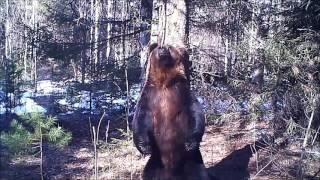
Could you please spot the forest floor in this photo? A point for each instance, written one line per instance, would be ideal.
(230, 152)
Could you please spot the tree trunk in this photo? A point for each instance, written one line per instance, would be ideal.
(83, 40)
(26, 43)
(123, 32)
(6, 54)
(96, 35)
(146, 17)
(91, 39)
(7, 59)
(7, 33)
(34, 39)
(109, 16)
(227, 60)
(172, 26)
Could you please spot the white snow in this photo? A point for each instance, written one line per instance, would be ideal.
(63, 102)
(135, 92)
(85, 112)
(83, 101)
(119, 101)
(47, 87)
(2, 105)
(2, 95)
(29, 106)
(80, 101)
(2, 108)
(102, 99)
(27, 94)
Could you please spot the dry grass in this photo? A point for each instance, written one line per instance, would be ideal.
(120, 160)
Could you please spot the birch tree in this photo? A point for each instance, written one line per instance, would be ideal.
(7, 55)
(96, 33)
(35, 24)
(109, 16)
(7, 33)
(26, 42)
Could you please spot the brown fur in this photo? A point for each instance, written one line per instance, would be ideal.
(168, 98)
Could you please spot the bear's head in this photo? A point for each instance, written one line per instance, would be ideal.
(167, 64)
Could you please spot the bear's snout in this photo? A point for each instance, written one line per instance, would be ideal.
(163, 52)
(165, 58)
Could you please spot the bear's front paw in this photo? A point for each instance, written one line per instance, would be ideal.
(144, 147)
(145, 150)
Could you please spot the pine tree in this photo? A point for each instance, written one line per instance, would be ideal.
(22, 140)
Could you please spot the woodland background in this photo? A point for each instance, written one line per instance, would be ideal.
(70, 67)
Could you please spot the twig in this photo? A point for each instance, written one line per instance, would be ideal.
(315, 136)
(127, 100)
(95, 153)
(98, 128)
(255, 176)
(90, 125)
(107, 131)
(305, 141)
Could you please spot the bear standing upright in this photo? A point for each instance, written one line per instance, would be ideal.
(168, 122)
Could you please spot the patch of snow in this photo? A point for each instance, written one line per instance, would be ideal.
(80, 101)
(29, 106)
(84, 104)
(63, 102)
(135, 92)
(92, 112)
(105, 98)
(135, 97)
(65, 113)
(2, 95)
(85, 112)
(2, 108)
(83, 101)
(11, 96)
(27, 94)
(78, 105)
(47, 87)
(119, 101)
(101, 91)
(44, 86)
(117, 107)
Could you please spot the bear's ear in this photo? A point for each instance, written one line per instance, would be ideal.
(185, 61)
(152, 47)
(183, 52)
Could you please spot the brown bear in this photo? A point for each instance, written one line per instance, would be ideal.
(168, 121)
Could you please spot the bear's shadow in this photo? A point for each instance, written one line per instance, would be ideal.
(235, 165)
